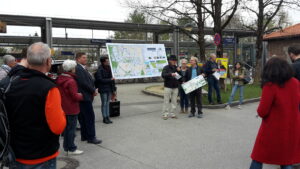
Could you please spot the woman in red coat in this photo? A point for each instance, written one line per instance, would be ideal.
(70, 104)
(278, 139)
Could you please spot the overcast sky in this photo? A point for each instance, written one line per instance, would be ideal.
(104, 10)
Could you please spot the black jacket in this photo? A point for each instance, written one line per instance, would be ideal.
(189, 72)
(15, 71)
(208, 68)
(296, 67)
(85, 83)
(103, 80)
(31, 137)
(169, 80)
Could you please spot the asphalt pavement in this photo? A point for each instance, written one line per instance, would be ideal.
(141, 139)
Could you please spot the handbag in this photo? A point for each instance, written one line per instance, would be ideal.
(114, 108)
(247, 79)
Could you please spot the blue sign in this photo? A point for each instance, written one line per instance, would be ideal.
(228, 41)
(100, 41)
(68, 53)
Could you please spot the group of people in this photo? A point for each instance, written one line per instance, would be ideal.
(173, 85)
(278, 139)
(40, 109)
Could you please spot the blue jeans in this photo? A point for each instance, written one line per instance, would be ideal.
(69, 134)
(213, 83)
(258, 165)
(234, 89)
(184, 99)
(50, 164)
(105, 98)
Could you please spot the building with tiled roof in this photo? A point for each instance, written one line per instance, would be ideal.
(279, 41)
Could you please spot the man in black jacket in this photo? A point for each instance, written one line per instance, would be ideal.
(86, 116)
(170, 88)
(294, 54)
(196, 95)
(210, 68)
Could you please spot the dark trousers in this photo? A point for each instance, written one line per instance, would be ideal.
(195, 96)
(69, 134)
(259, 165)
(184, 99)
(213, 83)
(86, 119)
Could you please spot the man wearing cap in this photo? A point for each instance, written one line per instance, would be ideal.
(170, 88)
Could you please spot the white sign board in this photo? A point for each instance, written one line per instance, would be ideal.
(136, 60)
(193, 84)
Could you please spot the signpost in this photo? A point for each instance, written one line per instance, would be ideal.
(228, 41)
(217, 39)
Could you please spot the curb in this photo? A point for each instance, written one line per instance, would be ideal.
(218, 106)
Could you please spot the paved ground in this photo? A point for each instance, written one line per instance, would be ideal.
(140, 139)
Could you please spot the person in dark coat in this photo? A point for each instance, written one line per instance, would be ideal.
(195, 96)
(170, 87)
(70, 103)
(210, 68)
(105, 83)
(278, 139)
(294, 54)
(86, 87)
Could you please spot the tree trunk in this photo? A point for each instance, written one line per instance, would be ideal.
(259, 41)
(218, 26)
(200, 33)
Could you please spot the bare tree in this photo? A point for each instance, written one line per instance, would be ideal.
(221, 12)
(265, 12)
(170, 11)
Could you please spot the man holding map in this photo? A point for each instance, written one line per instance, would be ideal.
(171, 83)
(195, 95)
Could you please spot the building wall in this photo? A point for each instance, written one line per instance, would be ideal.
(279, 47)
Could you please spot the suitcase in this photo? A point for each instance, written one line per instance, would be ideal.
(114, 108)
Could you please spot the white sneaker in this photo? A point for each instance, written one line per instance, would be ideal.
(165, 116)
(227, 107)
(173, 116)
(239, 107)
(76, 152)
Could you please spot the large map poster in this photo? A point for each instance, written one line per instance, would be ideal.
(136, 60)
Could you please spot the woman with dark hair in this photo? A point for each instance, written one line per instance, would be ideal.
(237, 74)
(105, 83)
(278, 139)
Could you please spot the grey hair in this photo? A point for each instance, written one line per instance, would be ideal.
(183, 60)
(69, 65)
(8, 59)
(212, 55)
(38, 53)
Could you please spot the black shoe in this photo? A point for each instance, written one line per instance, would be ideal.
(105, 120)
(200, 115)
(219, 102)
(83, 139)
(95, 141)
(109, 121)
(191, 115)
(211, 103)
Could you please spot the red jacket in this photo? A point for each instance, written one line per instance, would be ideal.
(69, 93)
(278, 139)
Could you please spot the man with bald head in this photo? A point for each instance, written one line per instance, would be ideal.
(210, 68)
(36, 117)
